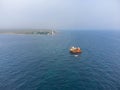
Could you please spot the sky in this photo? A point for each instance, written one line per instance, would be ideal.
(60, 14)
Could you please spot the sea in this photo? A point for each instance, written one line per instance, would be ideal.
(43, 62)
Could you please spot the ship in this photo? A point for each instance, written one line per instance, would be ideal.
(75, 50)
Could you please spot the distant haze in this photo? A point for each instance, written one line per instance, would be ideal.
(60, 14)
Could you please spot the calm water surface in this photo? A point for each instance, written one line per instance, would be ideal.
(33, 62)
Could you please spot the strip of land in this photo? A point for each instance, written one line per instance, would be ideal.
(40, 32)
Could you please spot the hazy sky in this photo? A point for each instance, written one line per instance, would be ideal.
(60, 14)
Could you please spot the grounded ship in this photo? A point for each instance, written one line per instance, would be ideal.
(75, 50)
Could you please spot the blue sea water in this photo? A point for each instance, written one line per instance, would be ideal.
(39, 62)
